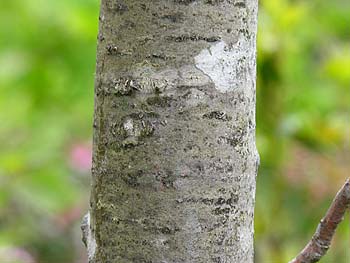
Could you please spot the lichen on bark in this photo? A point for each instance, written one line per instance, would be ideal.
(174, 164)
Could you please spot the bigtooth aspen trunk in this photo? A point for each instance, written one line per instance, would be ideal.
(175, 162)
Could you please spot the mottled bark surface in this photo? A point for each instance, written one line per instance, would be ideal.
(174, 162)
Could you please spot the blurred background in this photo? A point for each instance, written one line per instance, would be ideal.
(47, 60)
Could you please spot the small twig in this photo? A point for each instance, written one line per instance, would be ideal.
(321, 240)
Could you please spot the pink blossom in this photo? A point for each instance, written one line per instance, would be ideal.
(81, 157)
(10, 254)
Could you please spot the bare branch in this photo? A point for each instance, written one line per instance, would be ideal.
(321, 240)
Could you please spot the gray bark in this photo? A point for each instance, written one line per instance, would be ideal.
(175, 162)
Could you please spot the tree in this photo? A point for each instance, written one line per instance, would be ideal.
(175, 161)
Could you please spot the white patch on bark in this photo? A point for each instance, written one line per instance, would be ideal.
(227, 65)
(89, 237)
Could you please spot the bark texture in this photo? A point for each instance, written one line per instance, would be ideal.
(175, 161)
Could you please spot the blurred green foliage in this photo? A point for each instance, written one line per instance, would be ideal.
(303, 100)
(47, 59)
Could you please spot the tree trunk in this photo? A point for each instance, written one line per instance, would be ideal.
(175, 161)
